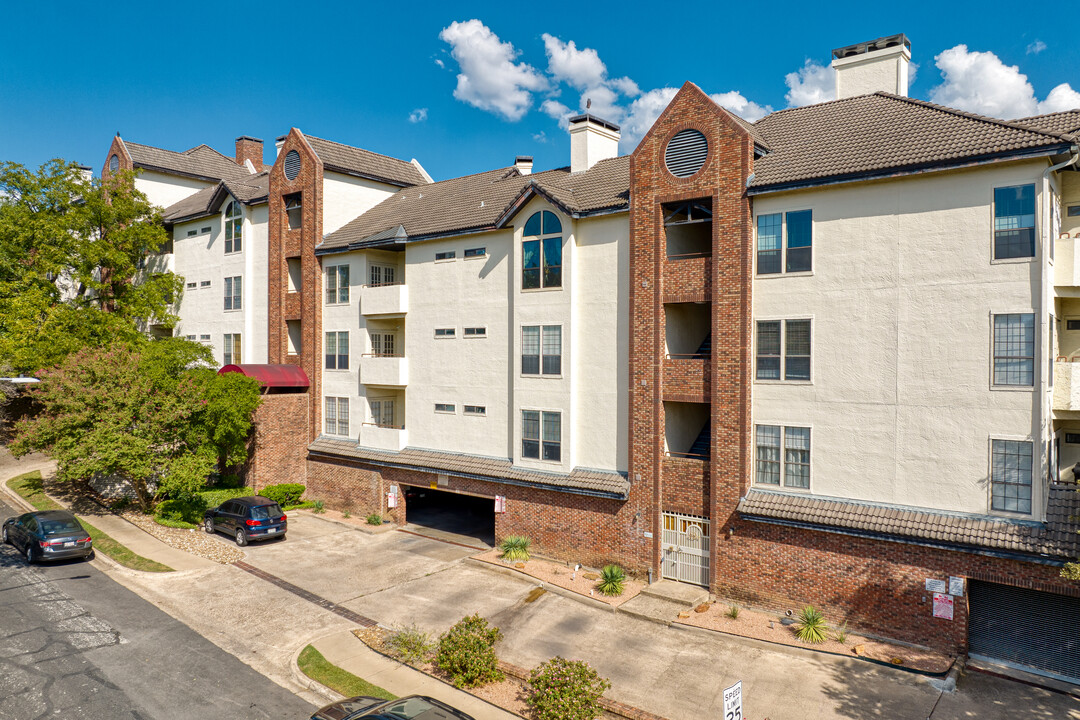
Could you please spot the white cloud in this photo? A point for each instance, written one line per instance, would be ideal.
(540, 137)
(489, 77)
(810, 84)
(440, 63)
(418, 115)
(1036, 47)
(736, 103)
(643, 113)
(557, 111)
(584, 71)
(980, 83)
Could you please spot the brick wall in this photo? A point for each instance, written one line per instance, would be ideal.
(685, 277)
(686, 485)
(280, 442)
(116, 147)
(687, 378)
(249, 148)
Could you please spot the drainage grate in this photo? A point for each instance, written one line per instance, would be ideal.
(310, 597)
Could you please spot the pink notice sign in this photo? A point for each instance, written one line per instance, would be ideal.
(500, 503)
(943, 606)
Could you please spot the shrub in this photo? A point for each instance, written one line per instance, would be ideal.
(811, 625)
(467, 652)
(840, 634)
(563, 689)
(612, 579)
(318, 507)
(284, 494)
(374, 519)
(515, 547)
(232, 480)
(187, 510)
(346, 514)
(733, 611)
(411, 645)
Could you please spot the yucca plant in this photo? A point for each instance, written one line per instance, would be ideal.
(515, 547)
(840, 634)
(612, 579)
(811, 625)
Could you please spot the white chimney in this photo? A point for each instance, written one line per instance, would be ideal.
(591, 140)
(524, 164)
(278, 143)
(86, 172)
(875, 66)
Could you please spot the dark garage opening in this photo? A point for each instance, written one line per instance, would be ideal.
(449, 516)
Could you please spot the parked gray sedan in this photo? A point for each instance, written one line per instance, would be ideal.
(48, 535)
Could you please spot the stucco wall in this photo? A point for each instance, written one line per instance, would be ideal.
(346, 197)
(164, 190)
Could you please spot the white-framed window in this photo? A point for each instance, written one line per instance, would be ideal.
(232, 349)
(783, 350)
(541, 435)
(383, 345)
(445, 332)
(1014, 349)
(382, 412)
(337, 285)
(475, 410)
(541, 350)
(234, 228)
(541, 252)
(475, 252)
(337, 351)
(204, 337)
(233, 292)
(192, 233)
(379, 275)
(204, 284)
(205, 229)
(1010, 475)
(782, 456)
(1014, 222)
(785, 242)
(337, 416)
(192, 285)
(445, 408)
(445, 255)
(475, 332)
(190, 337)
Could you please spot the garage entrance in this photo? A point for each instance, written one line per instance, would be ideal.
(1025, 629)
(449, 516)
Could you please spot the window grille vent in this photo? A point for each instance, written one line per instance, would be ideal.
(292, 164)
(686, 153)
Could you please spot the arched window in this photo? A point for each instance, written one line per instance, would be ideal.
(234, 228)
(114, 163)
(541, 252)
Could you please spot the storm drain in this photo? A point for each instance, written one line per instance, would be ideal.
(309, 596)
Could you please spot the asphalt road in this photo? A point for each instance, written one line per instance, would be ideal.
(76, 644)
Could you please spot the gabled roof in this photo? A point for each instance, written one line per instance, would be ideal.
(1067, 121)
(881, 134)
(201, 161)
(479, 202)
(357, 161)
(250, 190)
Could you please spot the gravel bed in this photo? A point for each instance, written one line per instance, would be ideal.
(582, 582)
(194, 541)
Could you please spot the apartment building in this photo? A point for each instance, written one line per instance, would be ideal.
(824, 358)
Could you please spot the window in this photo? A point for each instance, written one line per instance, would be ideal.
(448, 255)
(337, 351)
(192, 339)
(337, 416)
(204, 338)
(1014, 222)
(1014, 349)
(379, 275)
(232, 293)
(793, 466)
(475, 252)
(192, 285)
(533, 445)
(232, 349)
(445, 332)
(688, 228)
(337, 284)
(192, 233)
(773, 254)
(1010, 475)
(382, 344)
(445, 408)
(234, 228)
(294, 211)
(475, 410)
(475, 332)
(204, 284)
(541, 358)
(382, 413)
(794, 362)
(541, 252)
(204, 230)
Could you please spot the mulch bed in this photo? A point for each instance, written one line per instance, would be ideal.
(582, 582)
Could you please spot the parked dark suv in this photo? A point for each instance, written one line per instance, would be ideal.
(247, 519)
(48, 535)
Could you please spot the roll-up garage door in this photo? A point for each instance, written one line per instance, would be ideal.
(1027, 629)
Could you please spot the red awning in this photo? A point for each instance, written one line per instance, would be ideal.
(272, 376)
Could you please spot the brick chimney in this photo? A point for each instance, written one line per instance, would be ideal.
(591, 140)
(249, 148)
(875, 66)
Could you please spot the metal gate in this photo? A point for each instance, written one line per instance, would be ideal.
(1025, 629)
(685, 548)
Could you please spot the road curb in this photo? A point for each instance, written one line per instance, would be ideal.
(307, 683)
(569, 594)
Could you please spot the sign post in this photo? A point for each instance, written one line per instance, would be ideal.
(733, 702)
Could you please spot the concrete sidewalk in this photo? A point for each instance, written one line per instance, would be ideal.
(348, 653)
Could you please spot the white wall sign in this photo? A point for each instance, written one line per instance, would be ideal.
(733, 702)
(956, 586)
(936, 586)
(943, 606)
(391, 500)
(500, 503)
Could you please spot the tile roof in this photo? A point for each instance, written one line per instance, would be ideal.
(1067, 122)
(336, 156)
(250, 190)
(879, 134)
(582, 481)
(477, 202)
(1058, 537)
(200, 161)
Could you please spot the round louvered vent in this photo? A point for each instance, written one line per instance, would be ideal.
(292, 164)
(114, 163)
(686, 153)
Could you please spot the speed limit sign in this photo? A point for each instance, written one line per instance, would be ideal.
(733, 702)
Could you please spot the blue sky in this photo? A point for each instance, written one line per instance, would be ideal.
(73, 74)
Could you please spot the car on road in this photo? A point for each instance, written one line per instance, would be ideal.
(247, 519)
(48, 535)
(411, 707)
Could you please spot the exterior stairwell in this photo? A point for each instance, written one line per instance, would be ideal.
(700, 448)
(705, 349)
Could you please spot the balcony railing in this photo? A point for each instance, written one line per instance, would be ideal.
(384, 299)
(380, 437)
(383, 369)
(1067, 385)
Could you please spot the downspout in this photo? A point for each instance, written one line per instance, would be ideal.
(1045, 337)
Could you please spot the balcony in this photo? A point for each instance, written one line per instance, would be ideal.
(392, 370)
(383, 438)
(384, 299)
(1066, 386)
